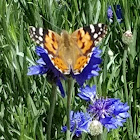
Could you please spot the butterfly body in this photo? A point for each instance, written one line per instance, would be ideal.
(69, 52)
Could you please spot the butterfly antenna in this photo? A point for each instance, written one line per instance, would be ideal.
(51, 23)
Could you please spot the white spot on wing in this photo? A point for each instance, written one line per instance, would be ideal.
(37, 41)
(95, 42)
(95, 35)
(67, 72)
(93, 48)
(50, 56)
(76, 72)
(41, 31)
(99, 39)
(36, 36)
(52, 61)
(40, 38)
(100, 25)
(90, 54)
(101, 29)
(92, 28)
(41, 45)
(31, 35)
(33, 28)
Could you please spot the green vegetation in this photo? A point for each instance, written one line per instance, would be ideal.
(25, 100)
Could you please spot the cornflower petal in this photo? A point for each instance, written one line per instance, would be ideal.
(79, 122)
(87, 93)
(110, 112)
(119, 13)
(45, 66)
(110, 13)
(35, 70)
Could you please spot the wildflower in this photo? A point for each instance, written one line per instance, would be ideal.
(95, 128)
(112, 113)
(110, 13)
(127, 37)
(45, 66)
(91, 69)
(118, 13)
(87, 93)
(79, 122)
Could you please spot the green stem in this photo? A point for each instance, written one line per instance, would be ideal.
(99, 137)
(69, 96)
(94, 138)
(124, 73)
(51, 111)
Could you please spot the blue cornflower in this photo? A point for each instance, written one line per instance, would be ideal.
(110, 112)
(110, 14)
(45, 66)
(79, 122)
(91, 69)
(118, 13)
(88, 93)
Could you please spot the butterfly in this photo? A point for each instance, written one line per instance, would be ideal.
(69, 52)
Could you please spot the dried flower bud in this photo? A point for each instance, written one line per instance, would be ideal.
(127, 37)
(95, 128)
(111, 54)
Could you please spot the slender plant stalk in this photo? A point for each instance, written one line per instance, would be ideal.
(125, 88)
(69, 96)
(51, 111)
(99, 137)
(124, 73)
(94, 138)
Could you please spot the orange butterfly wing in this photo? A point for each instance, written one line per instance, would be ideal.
(51, 41)
(87, 39)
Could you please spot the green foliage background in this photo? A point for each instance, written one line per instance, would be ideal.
(25, 100)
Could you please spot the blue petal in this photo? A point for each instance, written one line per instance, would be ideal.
(119, 13)
(78, 123)
(59, 84)
(87, 93)
(108, 122)
(39, 50)
(110, 112)
(46, 66)
(41, 62)
(48, 62)
(64, 129)
(35, 70)
(109, 12)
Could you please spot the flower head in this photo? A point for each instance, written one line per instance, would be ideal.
(110, 112)
(127, 37)
(118, 13)
(79, 122)
(87, 93)
(110, 13)
(45, 66)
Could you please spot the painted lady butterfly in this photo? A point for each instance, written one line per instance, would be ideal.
(70, 52)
